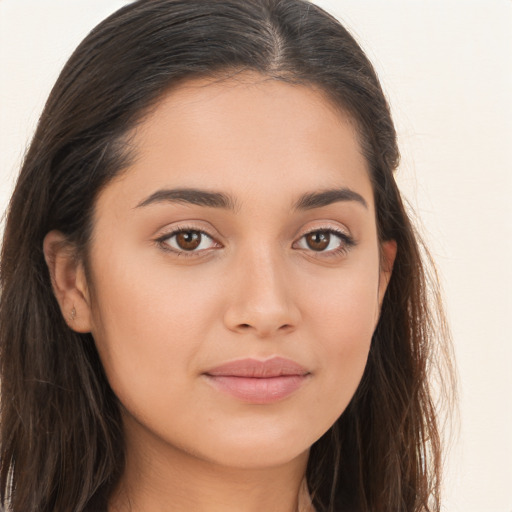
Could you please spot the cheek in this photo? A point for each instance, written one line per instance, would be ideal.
(343, 318)
(346, 304)
(149, 325)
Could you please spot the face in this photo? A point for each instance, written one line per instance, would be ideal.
(235, 278)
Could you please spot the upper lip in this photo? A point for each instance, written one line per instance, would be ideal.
(255, 368)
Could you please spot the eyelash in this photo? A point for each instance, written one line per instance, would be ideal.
(347, 241)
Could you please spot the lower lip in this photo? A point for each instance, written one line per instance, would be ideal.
(258, 390)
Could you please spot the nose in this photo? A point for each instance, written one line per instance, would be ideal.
(262, 299)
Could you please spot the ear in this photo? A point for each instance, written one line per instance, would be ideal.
(68, 281)
(388, 250)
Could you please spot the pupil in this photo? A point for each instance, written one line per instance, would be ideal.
(188, 240)
(318, 240)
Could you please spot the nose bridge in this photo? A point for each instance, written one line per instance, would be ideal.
(262, 298)
(264, 274)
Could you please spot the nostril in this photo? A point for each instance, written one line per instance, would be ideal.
(284, 327)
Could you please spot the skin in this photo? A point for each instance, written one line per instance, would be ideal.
(253, 288)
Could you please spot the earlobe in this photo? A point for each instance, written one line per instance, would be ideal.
(388, 255)
(68, 281)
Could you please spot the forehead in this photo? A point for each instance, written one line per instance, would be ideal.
(248, 133)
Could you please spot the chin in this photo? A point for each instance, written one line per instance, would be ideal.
(260, 457)
(261, 449)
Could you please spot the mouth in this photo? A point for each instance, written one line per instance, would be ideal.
(258, 382)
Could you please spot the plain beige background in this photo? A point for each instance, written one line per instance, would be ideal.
(446, 67)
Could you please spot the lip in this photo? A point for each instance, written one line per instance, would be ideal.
(256, 381)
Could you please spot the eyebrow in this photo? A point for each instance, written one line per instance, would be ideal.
(312, 200)
(191, 196)
(307, 201)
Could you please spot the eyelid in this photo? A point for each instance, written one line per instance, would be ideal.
(331, 229)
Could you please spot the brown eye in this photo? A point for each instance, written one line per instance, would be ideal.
(318, 240)
(188, 241)
(328, 242)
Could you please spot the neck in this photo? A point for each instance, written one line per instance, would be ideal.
(166, 479)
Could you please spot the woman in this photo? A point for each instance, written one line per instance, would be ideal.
(212, 296)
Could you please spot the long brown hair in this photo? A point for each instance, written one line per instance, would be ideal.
(61, 432)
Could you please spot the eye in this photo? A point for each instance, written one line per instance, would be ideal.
(185, 240)
(326, 241)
